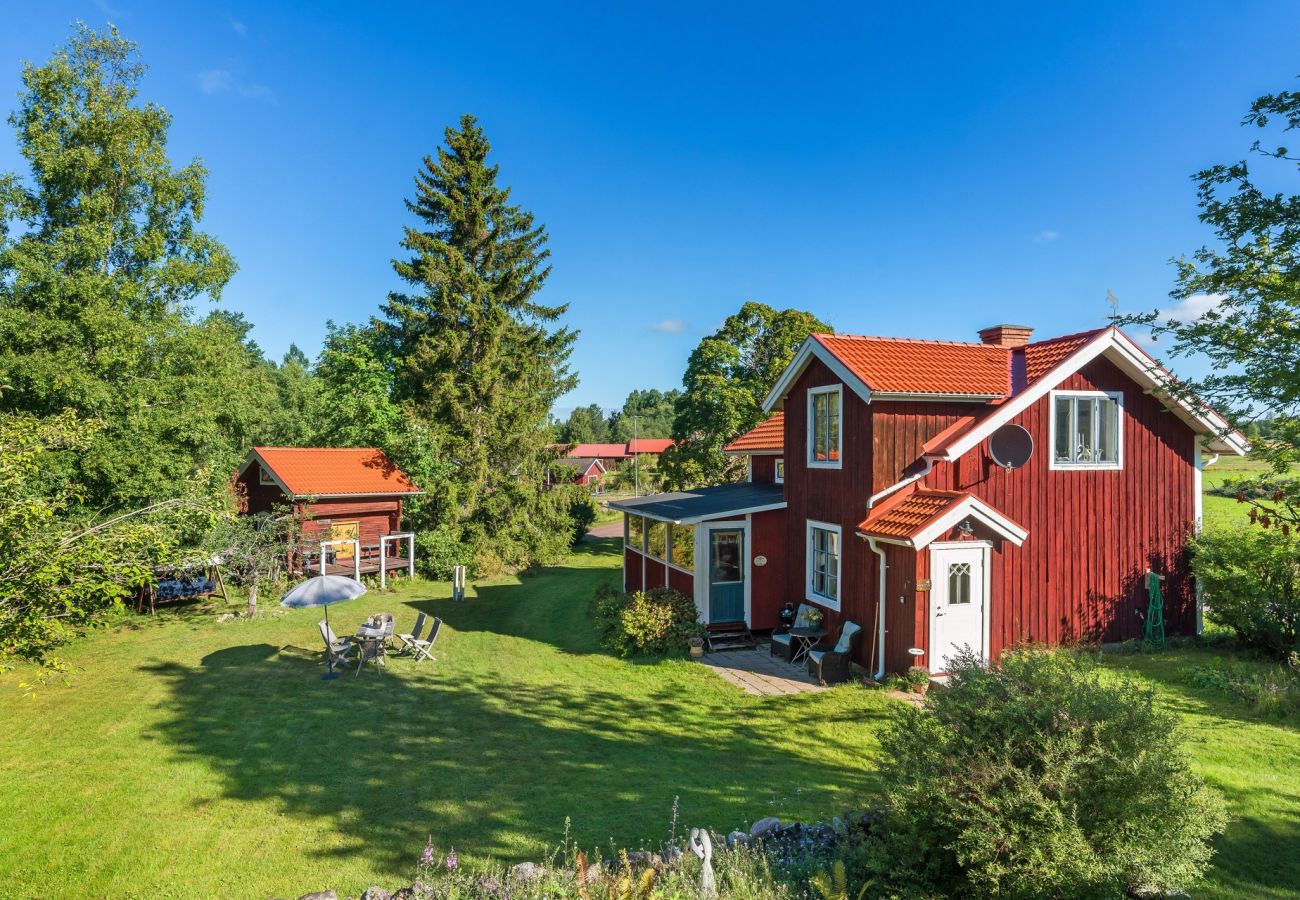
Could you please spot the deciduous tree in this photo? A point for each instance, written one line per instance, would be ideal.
(727, 377)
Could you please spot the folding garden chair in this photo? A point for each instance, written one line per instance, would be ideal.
(408, 641)
(423, 649)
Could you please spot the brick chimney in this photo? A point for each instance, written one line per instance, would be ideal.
(1006, 335)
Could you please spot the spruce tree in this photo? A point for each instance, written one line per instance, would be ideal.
(479, 359)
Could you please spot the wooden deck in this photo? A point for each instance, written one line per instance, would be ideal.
(369, 566)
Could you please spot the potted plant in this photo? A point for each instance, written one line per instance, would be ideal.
(815, 616)
(918, 680)
(697, 646)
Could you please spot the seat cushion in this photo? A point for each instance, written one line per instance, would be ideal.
(781, 639)
(817, 655)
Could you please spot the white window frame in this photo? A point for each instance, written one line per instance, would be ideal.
(811, 428)
(627, 532)
(671, 561)
(812, 595)
(778, 470)
(1053, 463)
(265, 478)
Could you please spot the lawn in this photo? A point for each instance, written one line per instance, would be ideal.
(1221, 511)
(197, 758)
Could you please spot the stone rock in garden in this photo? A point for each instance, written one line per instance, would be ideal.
(376, 893)
(838, 824)
(763, 827)
(320, 895)
(737, 839)
(527, 871)
(672, 856)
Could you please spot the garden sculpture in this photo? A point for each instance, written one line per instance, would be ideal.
(702, 846)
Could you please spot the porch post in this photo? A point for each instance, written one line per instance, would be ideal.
(322, 557)
(383, 569)
(356, 559)
(410, 555)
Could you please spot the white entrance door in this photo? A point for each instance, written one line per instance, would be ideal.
(958, 606)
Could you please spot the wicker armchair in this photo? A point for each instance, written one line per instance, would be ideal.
(783, 645)
(828, 663)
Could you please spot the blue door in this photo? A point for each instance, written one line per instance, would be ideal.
(726, 574)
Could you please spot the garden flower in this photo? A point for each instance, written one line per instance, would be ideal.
(452, 863)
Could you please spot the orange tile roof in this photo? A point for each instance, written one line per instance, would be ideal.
(767, 436)
(321, 471)
(604, 451)
(1043, 356)
(905, 515)
(649, 445)
(908, 366)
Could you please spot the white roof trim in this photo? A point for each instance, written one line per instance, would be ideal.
(753, 452)
(974, 508)
(810, 348)
(970, 507)
(1117, 347)
(266, 467)
(953, 398)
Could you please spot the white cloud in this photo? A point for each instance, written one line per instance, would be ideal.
(1189, 309)
(223, 81)
(670, 326)
(1044, 237)
(239, 27)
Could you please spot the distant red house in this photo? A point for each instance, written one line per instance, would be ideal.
(946, 494)
(584, 471)
(352, 499)
(638, 446)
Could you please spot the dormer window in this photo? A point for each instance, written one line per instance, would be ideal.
(824, 439)
(264, 477)
(1087, 430)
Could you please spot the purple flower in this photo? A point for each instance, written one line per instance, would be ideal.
(451, 860)
(426, 858)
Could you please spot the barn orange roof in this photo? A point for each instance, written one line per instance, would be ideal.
(649, 445)
(909, 366)
(334, 472)
(765, 437)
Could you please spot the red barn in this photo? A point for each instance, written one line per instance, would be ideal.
(352, 499)
(946, 494)
(580, 470)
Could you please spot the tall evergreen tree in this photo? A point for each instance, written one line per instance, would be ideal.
(478, 358)
(100, 260)
(727, 377)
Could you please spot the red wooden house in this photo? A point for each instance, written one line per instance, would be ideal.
(586, 471)
(946, 494)
(351, 499)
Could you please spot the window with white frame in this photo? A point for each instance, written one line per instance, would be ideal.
(780, 470)
(824, 427)
(681, 543)
(656, 540)
(824, 563)
(264, 477)
(1087, 429)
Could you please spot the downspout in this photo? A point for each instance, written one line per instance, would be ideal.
(880, 609)
(897, 486)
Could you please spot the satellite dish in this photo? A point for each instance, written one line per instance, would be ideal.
(1011, 446)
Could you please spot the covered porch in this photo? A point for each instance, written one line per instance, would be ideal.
(391, 553)
(712, 544)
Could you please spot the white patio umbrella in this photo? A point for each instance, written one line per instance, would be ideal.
(322, 590)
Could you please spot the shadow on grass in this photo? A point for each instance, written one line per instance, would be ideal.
(492, 766)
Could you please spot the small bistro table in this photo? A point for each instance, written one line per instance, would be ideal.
(370, 644)
(806, 638)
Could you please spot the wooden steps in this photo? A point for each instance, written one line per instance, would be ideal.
(729, 636)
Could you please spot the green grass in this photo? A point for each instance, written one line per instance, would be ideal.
(1226, 511)
(197, 758)
(1254, 760)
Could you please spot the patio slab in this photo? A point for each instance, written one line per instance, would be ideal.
(759, 673)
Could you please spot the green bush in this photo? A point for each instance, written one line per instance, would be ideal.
(582, 515)
(1268, 689)
(1041, 777)
(1251, 582)
(654, 622)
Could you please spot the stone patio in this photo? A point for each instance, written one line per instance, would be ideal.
(760, 673)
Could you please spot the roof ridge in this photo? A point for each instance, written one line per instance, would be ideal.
(322, 449)
(909, 340)
(1088, 332)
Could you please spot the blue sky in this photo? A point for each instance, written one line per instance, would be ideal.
(899, 169)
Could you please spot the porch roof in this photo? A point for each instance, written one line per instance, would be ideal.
(690, 507)
(918, 516)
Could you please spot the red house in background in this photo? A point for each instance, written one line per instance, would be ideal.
(945, 494)
(352, 499)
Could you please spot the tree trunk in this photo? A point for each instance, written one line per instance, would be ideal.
(252, 598)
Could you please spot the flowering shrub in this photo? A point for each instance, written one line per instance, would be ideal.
(654, 622)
